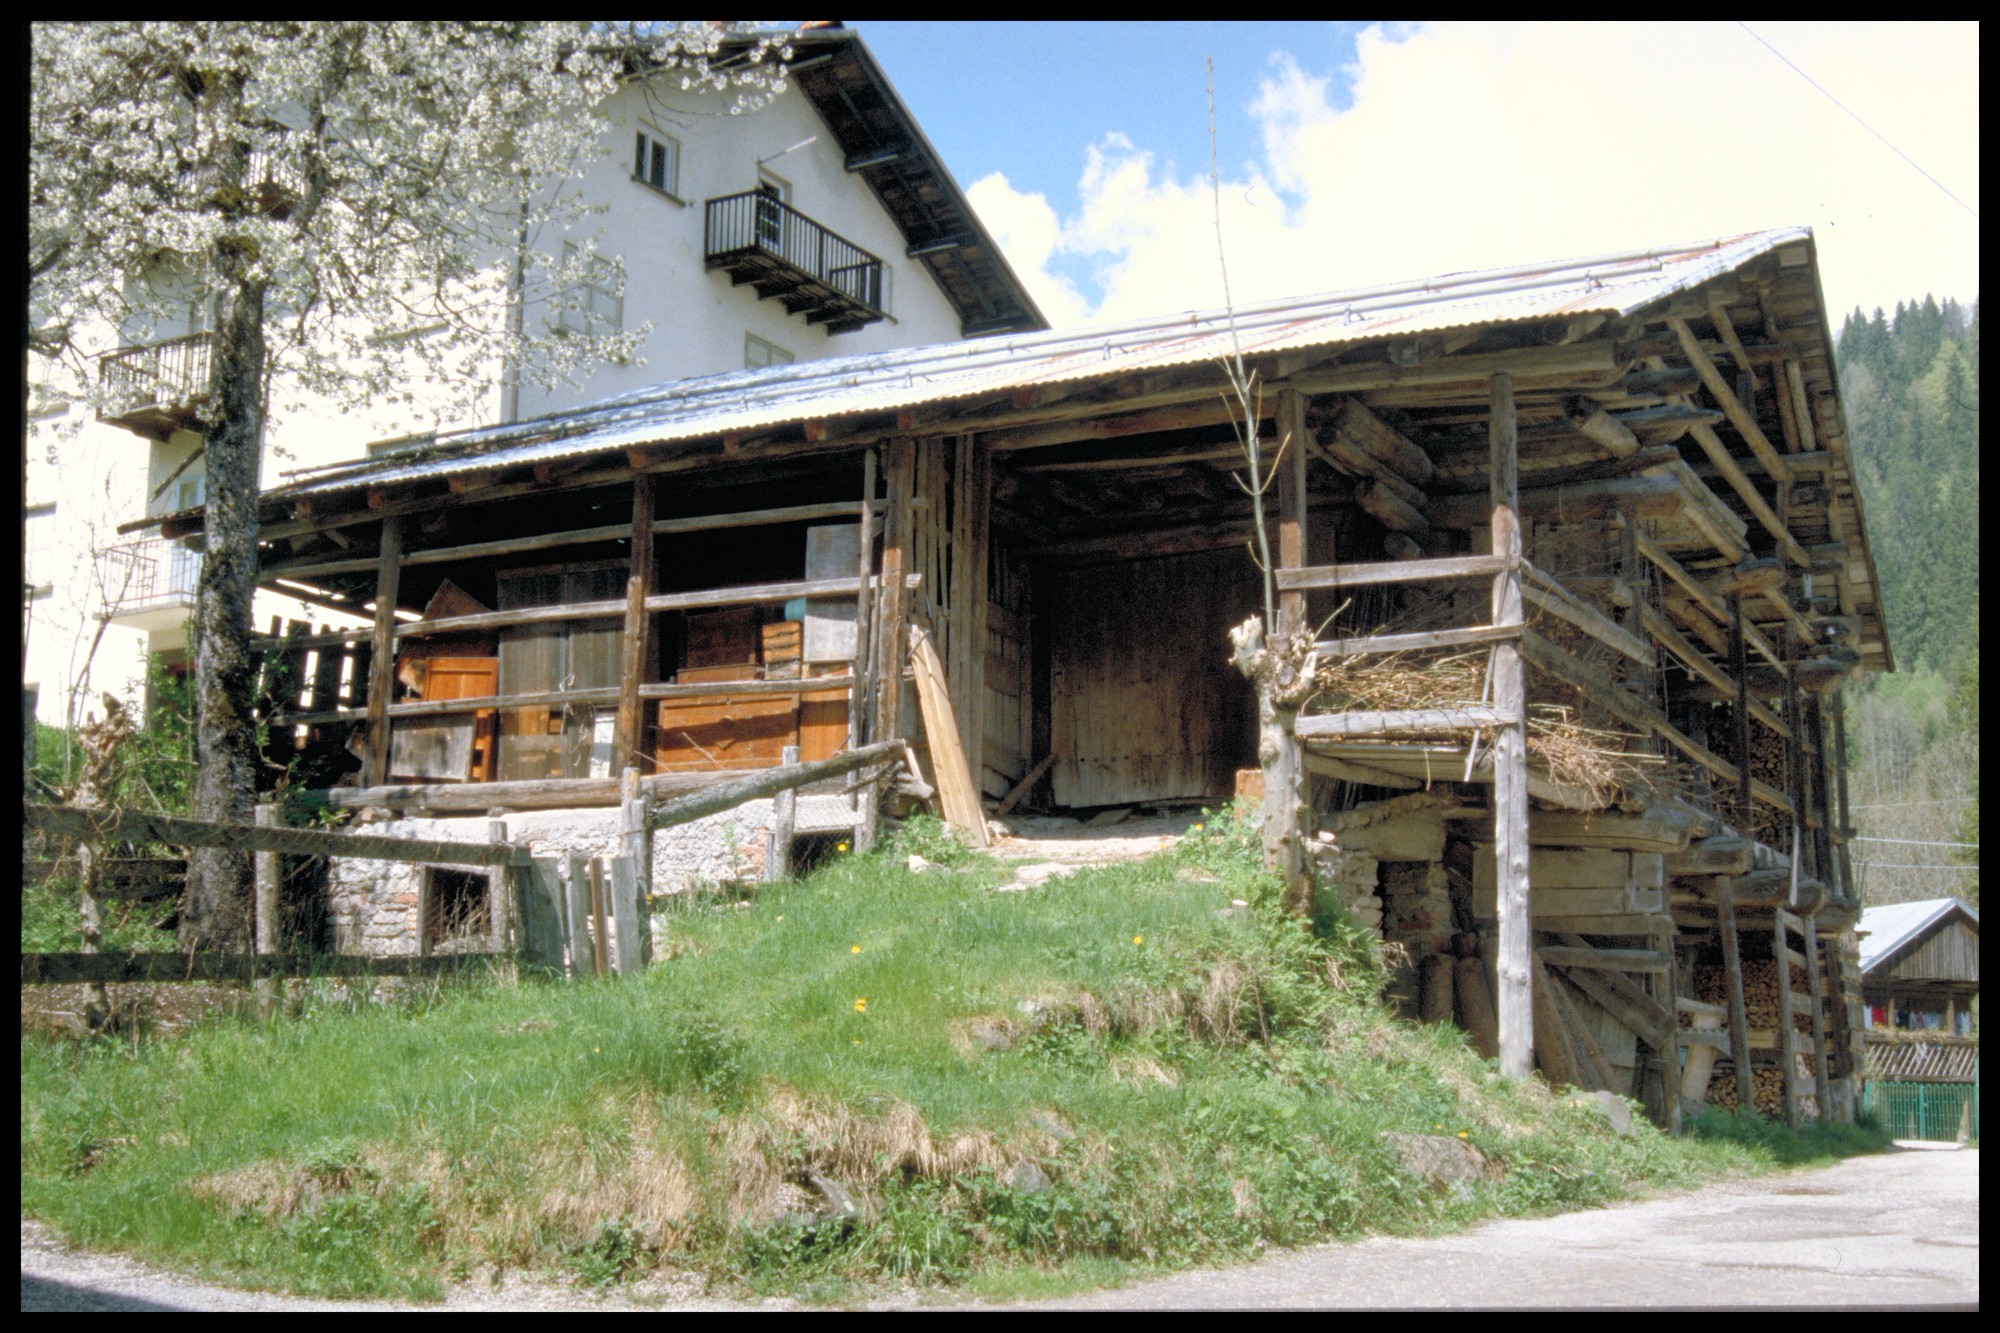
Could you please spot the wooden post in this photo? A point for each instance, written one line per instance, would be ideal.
(622, 906)
(382, 659)
(1788, 1045)
(1732, 968)
(270, 876)
(1839, 758)
(635, 807)
(496, 890)
(600, 938)
(972, 557)
(576, 915)
(1739, 668)
(1665, 990)
(630, 736)
(1515, 1002)
(891, 614)
(1291, 504)
(541, 911)
(784, 818)
(858, 696)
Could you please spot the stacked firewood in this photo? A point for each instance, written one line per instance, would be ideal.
(1761, 1010)
(1767, 765)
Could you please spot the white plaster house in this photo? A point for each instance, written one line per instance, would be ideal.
(821, 224)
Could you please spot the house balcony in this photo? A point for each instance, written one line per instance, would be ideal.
(157, 389)
(149, 585)
(763, 243)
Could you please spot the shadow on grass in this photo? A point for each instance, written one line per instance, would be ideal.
(1785, 1146)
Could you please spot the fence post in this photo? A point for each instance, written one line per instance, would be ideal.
(270, 876)
(496, 893)
(784, 819)
(636, 837)
(539, 910)
(576, 915)
(623, 909)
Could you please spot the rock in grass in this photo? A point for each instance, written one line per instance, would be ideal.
(1024, 1177)
(1617, 1112)
(1448, 1165)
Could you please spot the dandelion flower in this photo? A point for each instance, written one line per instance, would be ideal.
(854, 948)
(861, 1006)
(1195, 829)
(1461, 1134)
(1138, 939)
(857, 1041)
(840, 846)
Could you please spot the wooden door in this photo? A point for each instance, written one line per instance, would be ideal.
(1146, 705)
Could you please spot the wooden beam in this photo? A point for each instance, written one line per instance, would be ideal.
(721, 796)
(1550, 596)
(1644, 497)
(1149, 422)
(1389, 571)
(102, 826)
(1291, 468)
(1600, 427)
(1515, 1000)
(1746, 490)
(1399, 722)
(1569, 362)
(891, 602)
(1725, 398)
(382, 659)
(1371, 445)
(628, 747)
(1415, 642)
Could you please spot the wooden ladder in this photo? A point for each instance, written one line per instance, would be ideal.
(1785, 925)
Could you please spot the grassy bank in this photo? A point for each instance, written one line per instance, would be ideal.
(868, 1076)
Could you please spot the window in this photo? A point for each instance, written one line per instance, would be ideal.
(595, 303)
(757, 353)
(656, 161)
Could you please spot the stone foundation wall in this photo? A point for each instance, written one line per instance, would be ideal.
(375, 906)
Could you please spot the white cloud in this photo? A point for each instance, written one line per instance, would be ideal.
(1469, 146)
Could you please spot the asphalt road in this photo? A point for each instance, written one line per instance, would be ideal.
(1899, 1230)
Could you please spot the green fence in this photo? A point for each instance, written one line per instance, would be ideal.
(1938, 1112)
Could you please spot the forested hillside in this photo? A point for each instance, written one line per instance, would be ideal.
(1911, 384)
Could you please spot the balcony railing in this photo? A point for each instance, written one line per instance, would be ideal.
(148, 583)
(767, 244)
(156, 389)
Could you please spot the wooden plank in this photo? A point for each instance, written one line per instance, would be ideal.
(1514, 1003)
(1377, 440)
(538, 907)
(576, 916)
(1387, 571)
(1746, 490)
(957, 794)
(1592, 422)
(1659, 829)
(1401, 722)
(382, 664)
(1610, 924)
(1732, 970)
(635, 841)
(1606, 1076)
(600, 917)
(311, 567)
(1553, 1053)
(48, 969)
(1553, 598)
(891, 605)
(1020, 789)
(1626, 1003)
(1646, 497)
(140, 826)
(1700, 594)
(1416, 642)
(1569, 362)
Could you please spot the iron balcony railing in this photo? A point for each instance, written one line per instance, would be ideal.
(147, 575)
(158, 384)
(816, 272)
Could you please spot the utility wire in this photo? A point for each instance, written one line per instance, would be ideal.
(1898, 805)
(1912, 842)
(1859, 121)
(1901, 865)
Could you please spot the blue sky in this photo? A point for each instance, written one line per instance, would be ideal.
(1354, 153)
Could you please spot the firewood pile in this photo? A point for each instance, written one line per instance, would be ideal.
(1767, 764)
(1761, 1009)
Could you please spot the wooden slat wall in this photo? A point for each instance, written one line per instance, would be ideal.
(1950, 954)
(1008, 671)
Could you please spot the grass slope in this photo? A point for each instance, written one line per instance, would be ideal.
(870, 1075)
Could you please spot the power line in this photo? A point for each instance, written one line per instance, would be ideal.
(1901, 865)
(1859, 121)
(1900, 805)
(1912, 842)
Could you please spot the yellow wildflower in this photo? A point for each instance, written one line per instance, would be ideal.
(840, 846)
(854, 949)
(861, 1006)
(1461, 1133)
(1138, 939)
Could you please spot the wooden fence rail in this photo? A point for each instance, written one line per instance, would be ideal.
(139, 826)
(45, 969)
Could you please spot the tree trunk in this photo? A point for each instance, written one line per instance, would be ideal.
(216, 914)
(1282, 671)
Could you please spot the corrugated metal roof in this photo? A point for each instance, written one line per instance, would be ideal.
(755, 400)
(1894, 925)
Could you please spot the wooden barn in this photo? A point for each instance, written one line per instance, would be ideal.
(1577, 544)
(1920, 984)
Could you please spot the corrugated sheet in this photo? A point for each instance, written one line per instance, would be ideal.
(1894, 925)
(888, 381)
